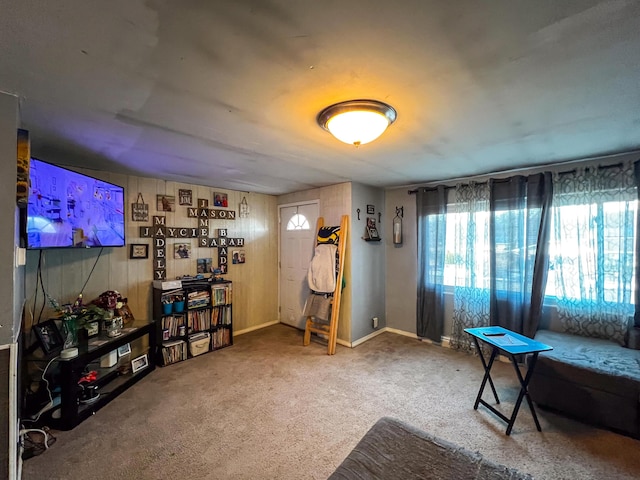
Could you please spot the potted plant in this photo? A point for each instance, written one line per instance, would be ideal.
(109, 302)
(90, 318)
(77, 318)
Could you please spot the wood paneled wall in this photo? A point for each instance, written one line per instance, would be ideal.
(255, 301)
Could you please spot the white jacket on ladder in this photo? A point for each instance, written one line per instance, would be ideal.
(322, 269)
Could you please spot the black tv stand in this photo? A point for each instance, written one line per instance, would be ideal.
(110, 381)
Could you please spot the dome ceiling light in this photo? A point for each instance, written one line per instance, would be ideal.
(357, 122)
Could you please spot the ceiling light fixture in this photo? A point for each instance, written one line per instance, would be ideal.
(357, 122)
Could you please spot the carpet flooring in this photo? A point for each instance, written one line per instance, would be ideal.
(269, 408)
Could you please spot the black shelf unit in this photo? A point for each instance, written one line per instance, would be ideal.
(207, 316)
(110, 382)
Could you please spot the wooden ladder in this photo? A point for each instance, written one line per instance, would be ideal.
(331, 329)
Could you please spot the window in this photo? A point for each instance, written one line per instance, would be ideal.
(466, 259)
(594, 243)
(591, 252)
(484, 242)
(298, 222)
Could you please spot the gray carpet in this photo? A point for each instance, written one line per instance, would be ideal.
(269, 408)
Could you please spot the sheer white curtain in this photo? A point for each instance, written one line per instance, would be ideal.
(471, 299)
(592, 250)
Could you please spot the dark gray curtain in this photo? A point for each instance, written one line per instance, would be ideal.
(431, 206)
(519, 237)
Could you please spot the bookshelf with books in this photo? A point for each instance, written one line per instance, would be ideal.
(193, 317)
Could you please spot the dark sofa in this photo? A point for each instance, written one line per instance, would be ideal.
(593, 380)
(393, 450)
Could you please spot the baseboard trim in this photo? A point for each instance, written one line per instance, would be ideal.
(368, 337)
(446, 341)
(404, 333)
(395, 331)
(255, 327)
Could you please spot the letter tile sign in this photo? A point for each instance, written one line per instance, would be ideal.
(159, 232)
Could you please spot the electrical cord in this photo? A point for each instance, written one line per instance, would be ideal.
(46, 383)
(35, 293)
(24, 431)
(44, 293)
(92, 269)
(30, 446)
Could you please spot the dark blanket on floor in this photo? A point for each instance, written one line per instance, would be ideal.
(392, 450)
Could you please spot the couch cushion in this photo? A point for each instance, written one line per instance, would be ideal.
(393, 450)
(600, 364)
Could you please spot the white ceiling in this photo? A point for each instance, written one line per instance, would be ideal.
(226, 92)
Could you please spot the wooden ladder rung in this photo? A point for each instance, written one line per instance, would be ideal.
(320, 330)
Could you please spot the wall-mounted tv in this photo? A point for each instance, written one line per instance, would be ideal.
(70, 210)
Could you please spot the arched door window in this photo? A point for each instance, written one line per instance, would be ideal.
(298, 222)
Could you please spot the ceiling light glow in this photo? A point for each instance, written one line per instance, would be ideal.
(357, 122)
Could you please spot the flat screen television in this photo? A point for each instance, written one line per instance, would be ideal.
(68, 209)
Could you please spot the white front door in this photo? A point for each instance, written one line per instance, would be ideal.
(297, 243)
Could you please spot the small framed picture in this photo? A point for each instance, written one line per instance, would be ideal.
(139, 363)
(181, 250)
(165, 203)
(372, 231)
(203, 265)
(126, 314)
(124, 350)
(220, 200)
(237, 256)
(48, 336)
(139, 250)
(371, 209)
(185, 197)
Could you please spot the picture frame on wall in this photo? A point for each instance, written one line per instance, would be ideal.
(165, 203)
(372, 231)
(181, 250)
(220, 200)
(138, 250)
(185, 197)
(203, 265)
(238, 256)
(139, 210)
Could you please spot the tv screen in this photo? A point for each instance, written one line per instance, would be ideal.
(70, 210)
